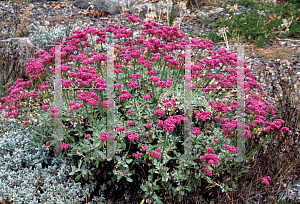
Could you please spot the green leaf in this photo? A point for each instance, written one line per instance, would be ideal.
(86, 177)
(84, 172)
(128, 161)
(97, 144)
(97, 162)
(189, 188)
(156, 187)
(119, 177)
(118, 158)
(129, 179)
(209, 180)
(158, 201)
(124, 146)
(144, 188)
(87, 158)
(77, 178)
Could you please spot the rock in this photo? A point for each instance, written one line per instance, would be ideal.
(291, 192)
(158, 8)
(106, 6)
(15, 52)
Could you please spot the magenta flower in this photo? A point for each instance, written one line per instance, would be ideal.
(120, 129)
(130, 123)
(144, 148)
(46, 107)
(147, 97)
(47, 143)
(26, 122)
(265, 180)
(65, 146)
(159, 112)
(196, 131)
(87, 135)
(210, 150)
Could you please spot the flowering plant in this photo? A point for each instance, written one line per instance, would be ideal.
(149, 94)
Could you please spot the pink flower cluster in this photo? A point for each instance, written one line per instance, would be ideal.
(55, 111)
(210, 150)
(231, 149)
(130, 123)
(75, 106)
(46, 107)
(43, 88)
(26, 122)
(144, 148)
(87, 135)
(223, 108)
(207, 171)
(125, 95)
(103, 137)
(132, 138)
(164, 84)
(210, 159)
(137, 156)
(160, 112)
(147, 97)
(65, 146)
(196, 131)
(167, 105)
(120, 129)
(149, 126)
(156, 154)
(265, 180)
(169, 123)
(203, 116)
(106, 103)
(87, 96)
(275, 126)
(133, 18)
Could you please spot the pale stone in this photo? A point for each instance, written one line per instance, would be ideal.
(106, 6)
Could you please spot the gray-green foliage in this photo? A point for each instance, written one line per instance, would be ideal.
(44, 37)
(22, 178)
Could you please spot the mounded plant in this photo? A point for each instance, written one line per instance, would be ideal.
(149, 95)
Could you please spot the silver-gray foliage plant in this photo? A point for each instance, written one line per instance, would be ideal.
(44, 37)
(22, 178)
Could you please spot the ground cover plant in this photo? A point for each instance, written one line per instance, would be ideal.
(259, 25)
(24, 175)
(152, 150)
